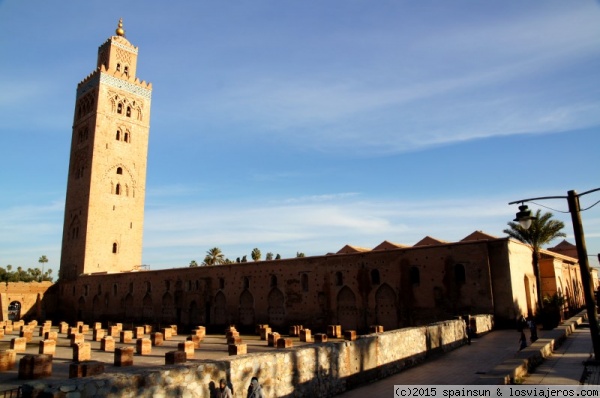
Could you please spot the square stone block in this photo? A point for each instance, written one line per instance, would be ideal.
(234, 340)
(305, 336)
(167, 333)
(376, 329)
(79, 323)
(264, 333)
(260, 326)
(35, 367)
(119, 326)
(97, 325)
(48, 324)
(51, 335)
(320, 338)
(8, 360)
(272, 339)
(200, 332)
(47, 347)
(143, 346)
(187, 347)
(284, 343)
(42, 330)
(334, 331)
(27, 334)
(175, 357)
(232, 333)
(295, 330)
(82, 352)
(77, 338)
(237, 349)
(195, 339)
(98, 334)
(85, 369)
(126, 336)
(33, 323)
(156, 338)
(8, 329)
(1, 333)
(173, 330)
(72, 331)
(107, 344)
(147, 329)
(350, 335)
(63, 328)
(19, 344)
(138, 332)
(124, 356)
(84, 328)
(113, 331)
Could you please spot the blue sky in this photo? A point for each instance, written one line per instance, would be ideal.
(302, 126)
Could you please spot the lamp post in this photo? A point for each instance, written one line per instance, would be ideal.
(524, 218)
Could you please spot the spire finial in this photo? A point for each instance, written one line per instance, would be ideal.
(120, 31)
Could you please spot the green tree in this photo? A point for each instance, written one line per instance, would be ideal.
(269, 256)
(255, 254)
(278, 256)
(543, 230)
(193, 263)
(43, 260)
(299, 254)
(244, 259)
(214, 256)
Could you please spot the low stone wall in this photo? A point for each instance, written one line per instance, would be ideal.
(322, 370)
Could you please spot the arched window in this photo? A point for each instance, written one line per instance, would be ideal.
(119, 170)
(273, 281)
(459, 274)
(114, 249)
(375, 277)
(128, 114)
(415, 276)
(118, 67)
(126, 70)
(304, 280)
(118, 136)
(246, 283)
(120, 108)
(126, 137)
(339, 279)
(148, 287)
(221, 283)
(118, 189)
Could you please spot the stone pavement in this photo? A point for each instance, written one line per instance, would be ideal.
(468, 364)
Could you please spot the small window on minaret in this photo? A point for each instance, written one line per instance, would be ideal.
(126, 71)
(128, 111)
(118, 137)
(126, 137)
(119, 170)
(114, 250)
(120, 108)
(118, 67)
(118, 189)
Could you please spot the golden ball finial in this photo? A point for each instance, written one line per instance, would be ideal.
(120, 31)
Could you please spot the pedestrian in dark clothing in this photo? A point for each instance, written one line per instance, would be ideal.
(224, 391)
(255, 390)
(533, 330)
(522, 341)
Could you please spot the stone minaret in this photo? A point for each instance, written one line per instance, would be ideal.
(106, 185)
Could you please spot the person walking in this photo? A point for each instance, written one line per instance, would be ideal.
(254, 389)
(224, 391)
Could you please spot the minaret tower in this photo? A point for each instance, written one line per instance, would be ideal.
(106, 185)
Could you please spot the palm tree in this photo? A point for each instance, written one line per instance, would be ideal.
(193, 263)
(43, 260)
(542, 230)
(214, 256)
(255, 254)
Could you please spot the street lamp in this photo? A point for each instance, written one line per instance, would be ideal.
(524, 218)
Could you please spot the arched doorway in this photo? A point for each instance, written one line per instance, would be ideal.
(14, 311)
(220, 309)
(346, 309)
(276, 309)
(385, 307)
(246, 308)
